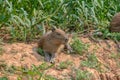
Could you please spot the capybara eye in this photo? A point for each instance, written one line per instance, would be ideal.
(66, 39)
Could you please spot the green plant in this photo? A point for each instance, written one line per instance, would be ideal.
(64, 64)
(3, 78)
(45, 66)
(1, 50)
(81, 75)
(25, 20)
(78, 46)
(33, 73)
(10, 69)
(36, 72)
(107, 34)
(116, 57)
(91, 62)
(3, 66)
(48, 77)
(40, 51)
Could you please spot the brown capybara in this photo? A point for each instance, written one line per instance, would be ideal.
(115, 23)
(53, 42)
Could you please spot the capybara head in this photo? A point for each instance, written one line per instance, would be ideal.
(59, 36)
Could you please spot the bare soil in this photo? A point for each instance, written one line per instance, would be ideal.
(22, 54)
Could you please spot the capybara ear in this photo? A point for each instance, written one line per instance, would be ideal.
(53, 29)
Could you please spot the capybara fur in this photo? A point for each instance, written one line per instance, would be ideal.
(115, 23)
(53, 42)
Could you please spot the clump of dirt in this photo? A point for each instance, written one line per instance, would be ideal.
(22, 54)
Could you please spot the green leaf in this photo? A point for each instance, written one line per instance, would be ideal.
(3, 78)
(2, 17)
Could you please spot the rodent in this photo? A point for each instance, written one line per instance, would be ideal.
(115, 23)
(53, 42)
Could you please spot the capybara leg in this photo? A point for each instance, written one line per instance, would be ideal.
(53, 56)
(47, 56)
(69, 49)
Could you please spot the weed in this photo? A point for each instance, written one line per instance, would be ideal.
(1, 50)
(3, 78)
(27, 19)
(48, 77)
(33, 73)
(40, 51)
(91, 62)
(81, 75)
(45, 66)
(36, 72)
(64, 64)
(108, 35)
(118, 64)
(10, 69)
(79, 47)
(114, 56)
(3, 65)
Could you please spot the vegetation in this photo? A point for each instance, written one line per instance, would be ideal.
(28, 19)
(3, 78)
(91, 62)
(1, 50)
(40, 51)
(35, 72)
(64, 64)
(82, 75)
(78, 46)
(116, 57)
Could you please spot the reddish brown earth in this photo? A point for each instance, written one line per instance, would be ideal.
(21, 54)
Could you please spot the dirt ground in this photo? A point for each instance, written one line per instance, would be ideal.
(22, 54)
